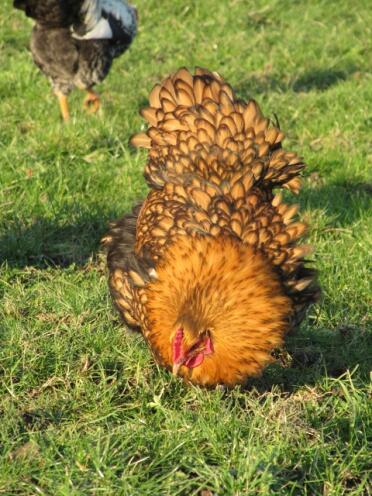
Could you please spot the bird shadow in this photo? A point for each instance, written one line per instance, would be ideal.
(317, 79)
(344, 201)
(311, 354)
(52, 243)
(321, 79)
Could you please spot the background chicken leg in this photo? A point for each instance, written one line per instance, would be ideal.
(63, 105)
(92, 102)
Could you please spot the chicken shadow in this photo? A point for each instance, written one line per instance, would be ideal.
(50, 243)
(317, 79)
(321, 79)
(343, 201)
(311, 354)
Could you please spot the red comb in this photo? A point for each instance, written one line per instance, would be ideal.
(177, 346)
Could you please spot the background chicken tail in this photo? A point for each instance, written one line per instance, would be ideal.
(89, 15)
(106, 19)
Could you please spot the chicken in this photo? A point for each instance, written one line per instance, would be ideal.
(74, 42)
(209, 266)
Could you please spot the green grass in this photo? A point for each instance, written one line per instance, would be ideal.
(84, 410)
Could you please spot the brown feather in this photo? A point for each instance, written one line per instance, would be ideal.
(222, 246)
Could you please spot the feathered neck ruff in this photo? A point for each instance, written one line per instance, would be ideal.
(225, 288)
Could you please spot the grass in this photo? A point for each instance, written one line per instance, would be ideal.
(84, 409)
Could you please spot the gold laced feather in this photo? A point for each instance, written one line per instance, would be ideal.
(212, 166)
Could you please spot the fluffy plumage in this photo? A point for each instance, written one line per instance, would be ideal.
(209, 266)
(75, 41)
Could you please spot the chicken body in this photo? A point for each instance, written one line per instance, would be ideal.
(208, 266)
(74, 42)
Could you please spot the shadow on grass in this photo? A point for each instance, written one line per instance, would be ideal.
(317, 79)
(313, 354)
(51, 244)
(321, 79)
(344, 201)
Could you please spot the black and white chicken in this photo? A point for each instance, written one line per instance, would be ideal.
(74, 42)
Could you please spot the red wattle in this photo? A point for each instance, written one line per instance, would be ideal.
(195, 360)
(208, 347)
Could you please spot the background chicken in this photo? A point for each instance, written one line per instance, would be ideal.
(208, 266)
(75, 41)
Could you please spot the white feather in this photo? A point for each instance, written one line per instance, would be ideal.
(92, 12)
(123, 12)
(101, 31)
(97, 27)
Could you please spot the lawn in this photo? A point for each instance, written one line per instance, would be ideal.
(84, 409)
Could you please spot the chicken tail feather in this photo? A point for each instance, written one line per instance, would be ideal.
(197, 125)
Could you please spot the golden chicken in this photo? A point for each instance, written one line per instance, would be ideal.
(209, 266)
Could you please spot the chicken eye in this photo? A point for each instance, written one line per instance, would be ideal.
(195, 346)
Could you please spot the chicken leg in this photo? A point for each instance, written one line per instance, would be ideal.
(92, 102)
(63, 105)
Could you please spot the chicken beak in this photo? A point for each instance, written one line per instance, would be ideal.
(176, 367)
